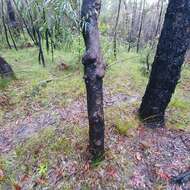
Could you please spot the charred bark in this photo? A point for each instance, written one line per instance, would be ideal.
(94, 69)
(172, 46)
(181, 178)
(6, 71)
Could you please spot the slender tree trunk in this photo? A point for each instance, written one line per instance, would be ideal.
(11, 13)
(159, 19)
(141, 25)
(41, 54)
(4, 24)
(126, 21)
(12, 38)
(172, 46)
(155, 34)
(115, 30)
(131, 33)
(94, 69)
(25, 24)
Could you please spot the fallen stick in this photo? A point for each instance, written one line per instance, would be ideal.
(181, 178)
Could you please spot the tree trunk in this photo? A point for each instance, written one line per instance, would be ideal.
(11, 13)
(126, 20)
(12, 38)
(172, 46)
(5, 69)
(4, 24)
(115, 30)
(41, 54)
(94, 69)
(131, 33)
(141, 25)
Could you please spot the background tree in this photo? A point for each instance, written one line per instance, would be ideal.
(11, 13)
(141, 24)
(115, 30)
(173, 44)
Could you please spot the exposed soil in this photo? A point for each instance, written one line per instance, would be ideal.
(17, 131)
(145, 159)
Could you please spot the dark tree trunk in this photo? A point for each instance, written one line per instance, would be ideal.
(115, 30)
(5, 69)
(172, 46)
(41, 53)
(11, 13)
(141, 26)
(94, 69)
(12, 38)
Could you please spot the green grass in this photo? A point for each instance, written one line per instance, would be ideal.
(29, 91)
(123, 127)
(122, 77)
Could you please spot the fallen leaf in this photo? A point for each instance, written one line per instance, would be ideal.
(111, 171)
(138, 156)
(17, 186)
(163, 175)
(40, 181)
(24, 178)
(1, 175)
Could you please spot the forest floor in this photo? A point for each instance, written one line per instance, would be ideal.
(44, 128)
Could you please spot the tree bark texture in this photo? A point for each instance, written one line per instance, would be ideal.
(94, 69)
(5, 70)
(171, 49)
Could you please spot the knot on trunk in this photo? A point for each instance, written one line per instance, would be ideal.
(100, 70)
(89, 57)
(96, 117)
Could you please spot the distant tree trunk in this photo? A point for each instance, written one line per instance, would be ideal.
(115, 30)
(41, 53)
(4, 24)
(131, 33)
(5, 69)
(25, 23)
(11, 13)
(159, 19)
(141, 25)
(155, 35)
(12, 38)
(126, 21)
(172, 46)
(94, 69)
